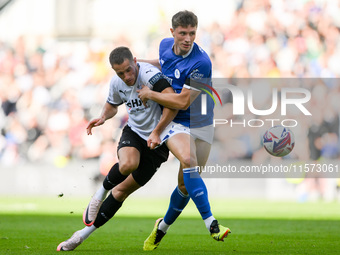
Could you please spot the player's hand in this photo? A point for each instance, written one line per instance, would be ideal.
(154, 140)
(143, 94)
(94, 123)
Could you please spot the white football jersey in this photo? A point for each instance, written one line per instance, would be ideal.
(142, 119)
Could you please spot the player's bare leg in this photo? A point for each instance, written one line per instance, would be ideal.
(128, 162)
(108, 209)
(202, 151)
(184, 149)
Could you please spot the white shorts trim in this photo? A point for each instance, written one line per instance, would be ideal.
(205, 133)
(173, 129)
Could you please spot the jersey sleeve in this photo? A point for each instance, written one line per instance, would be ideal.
(153, 78)
(164, 47)
(114, 97)
(161, 85)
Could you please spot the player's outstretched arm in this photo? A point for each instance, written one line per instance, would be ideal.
(167, 116)
(154, 62)
(179, 101)
(108, 112)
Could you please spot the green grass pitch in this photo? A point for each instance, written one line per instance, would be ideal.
(38, 225)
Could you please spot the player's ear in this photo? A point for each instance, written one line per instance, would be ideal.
(135, 60)
(172, 31)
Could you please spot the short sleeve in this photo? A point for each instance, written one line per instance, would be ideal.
(151, 75)
(114, 97)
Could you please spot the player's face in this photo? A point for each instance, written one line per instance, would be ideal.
(184, 38)
(127, 71)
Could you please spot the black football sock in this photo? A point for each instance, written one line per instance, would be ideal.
(107, 210)
(113, 178)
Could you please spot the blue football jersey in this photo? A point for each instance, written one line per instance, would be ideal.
(195, 65)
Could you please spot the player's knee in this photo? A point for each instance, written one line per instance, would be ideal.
(182, 188)
(188, 161)
(127, 167)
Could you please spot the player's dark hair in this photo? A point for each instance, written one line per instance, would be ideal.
(184, 19)
(119, 54)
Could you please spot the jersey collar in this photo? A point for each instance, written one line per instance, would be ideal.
(184, 56)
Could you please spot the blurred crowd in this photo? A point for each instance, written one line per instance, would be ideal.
(47, 98)
(48, 95)
(277, 39)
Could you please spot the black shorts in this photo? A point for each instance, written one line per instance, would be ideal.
(150, 160)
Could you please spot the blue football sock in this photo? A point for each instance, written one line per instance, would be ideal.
(197, 191)
(177, 203)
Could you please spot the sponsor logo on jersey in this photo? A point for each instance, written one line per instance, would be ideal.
(133, 103)
(148, 71)
(196, 75)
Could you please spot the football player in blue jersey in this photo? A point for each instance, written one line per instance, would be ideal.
(186, 66)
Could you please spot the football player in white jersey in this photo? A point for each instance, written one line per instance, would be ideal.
(137, 162)
(186, 66)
